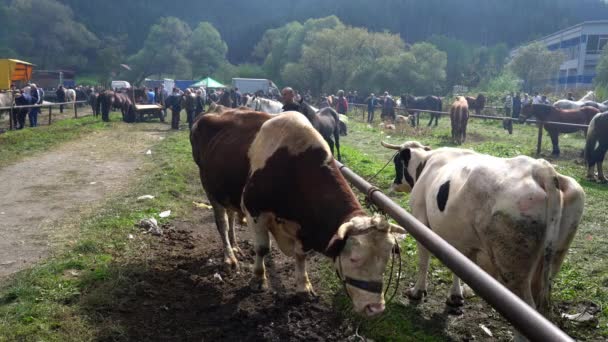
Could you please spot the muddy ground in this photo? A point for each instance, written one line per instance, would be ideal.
(183, 293)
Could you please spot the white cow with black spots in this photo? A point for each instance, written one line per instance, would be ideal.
(514, 217)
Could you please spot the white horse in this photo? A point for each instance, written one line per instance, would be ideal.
(567, 104)
(590, 96)
(264, 105)
(70, 96)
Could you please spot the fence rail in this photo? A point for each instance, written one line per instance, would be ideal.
(502, 118)
(12, 117)
(524, 318)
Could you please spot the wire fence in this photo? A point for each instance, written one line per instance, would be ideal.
(13, 110)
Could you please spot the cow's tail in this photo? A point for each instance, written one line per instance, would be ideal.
(553, 215)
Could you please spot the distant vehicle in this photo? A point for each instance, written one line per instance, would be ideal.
(49, 80)
(120, 85)
(167, 82)
(255, 85)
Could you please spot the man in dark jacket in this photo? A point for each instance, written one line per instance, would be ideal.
(34, 111)
(516, 106)
(289, 103)
(22, 99)
(371, 107)
(188, 102)
(60, 93)
(174, 103)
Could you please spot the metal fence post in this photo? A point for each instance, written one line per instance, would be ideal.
(540, 138)
(75, 110)
(50, 114)
(12, 118)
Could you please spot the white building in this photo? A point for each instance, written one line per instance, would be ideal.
(582, 44)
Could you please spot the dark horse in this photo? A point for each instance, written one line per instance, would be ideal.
(327, 122)
(545, 112)
(422, 103)
(109, 100)
(596, 146)
(94, 102)
(476, 104)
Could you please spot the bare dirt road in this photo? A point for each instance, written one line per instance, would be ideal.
(39, 191)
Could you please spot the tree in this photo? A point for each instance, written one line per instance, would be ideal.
(49, 36)
(601, 78)
(163, 51)
(207, 50)
(534, 64)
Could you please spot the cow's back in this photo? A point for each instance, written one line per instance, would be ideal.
(219, 147)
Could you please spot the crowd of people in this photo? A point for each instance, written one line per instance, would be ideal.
(27, 96)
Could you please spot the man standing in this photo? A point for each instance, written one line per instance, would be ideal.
(536, 99)
(388, 108)
(288, 97)
(199, 103)
(507, 123)
(371, 107)
(516, 106)
(21, 99)
(60, 93)
(237, 98)
(34, 111)
(188, 103)
(174, 102)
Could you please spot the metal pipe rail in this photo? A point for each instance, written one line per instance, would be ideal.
(43, 105)
(524, 318)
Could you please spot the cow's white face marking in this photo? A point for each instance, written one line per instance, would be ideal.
(364, 258)
(289, 130)
(409, 164)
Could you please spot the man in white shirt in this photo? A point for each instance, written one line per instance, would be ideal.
(536, 99)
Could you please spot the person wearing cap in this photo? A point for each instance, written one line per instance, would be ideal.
(371, 107)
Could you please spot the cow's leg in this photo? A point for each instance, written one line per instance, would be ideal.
(259, 281)
(431, 121)
(419, 290)
(455, 297)
(221, 221)
(331, 145)
(232, 232)
(337, 138)
(303, 285)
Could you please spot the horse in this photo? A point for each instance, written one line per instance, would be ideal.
(568, 104)
(422, 103)
(476, 104)
(106, 102)
(459, 117)
(596, 146)
(327, 122)
(125, 103)
(94, 102)
(590, 96)
(70, 96)
(260, 104)
(543, 112)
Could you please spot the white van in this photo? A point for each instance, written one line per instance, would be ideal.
(119, 85)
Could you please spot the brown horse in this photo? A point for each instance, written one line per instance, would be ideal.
(459, 116)
(543, 112)
(596, 146)
(477, 104)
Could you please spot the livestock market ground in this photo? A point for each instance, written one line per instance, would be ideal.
(106, 280)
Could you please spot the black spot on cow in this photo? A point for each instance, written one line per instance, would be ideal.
(406, 155)
(419, 169)
(442, 195)
(556, 182)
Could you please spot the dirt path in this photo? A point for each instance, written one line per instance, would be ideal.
(38, 191)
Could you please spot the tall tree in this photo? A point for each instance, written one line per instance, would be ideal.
(49, 35)
(534, 64)
(164, 51)
(207, 50)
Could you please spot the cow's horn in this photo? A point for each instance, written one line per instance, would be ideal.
(391, 146)
(397, 229)
(344, 228)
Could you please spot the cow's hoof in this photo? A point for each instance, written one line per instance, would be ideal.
(258, 284)
(454, 310)
(455, 301)
(307, 296)
(237, 251)
(231, 263)
(414, 294)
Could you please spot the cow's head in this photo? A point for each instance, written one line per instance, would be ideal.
(409, 163)
(361, 248)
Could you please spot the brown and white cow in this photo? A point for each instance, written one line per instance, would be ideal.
(281, 174)
(459, 117)
(514, 217)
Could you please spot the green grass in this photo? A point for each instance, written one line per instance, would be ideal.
(584, 275)
(44, 303)
(15, 145)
